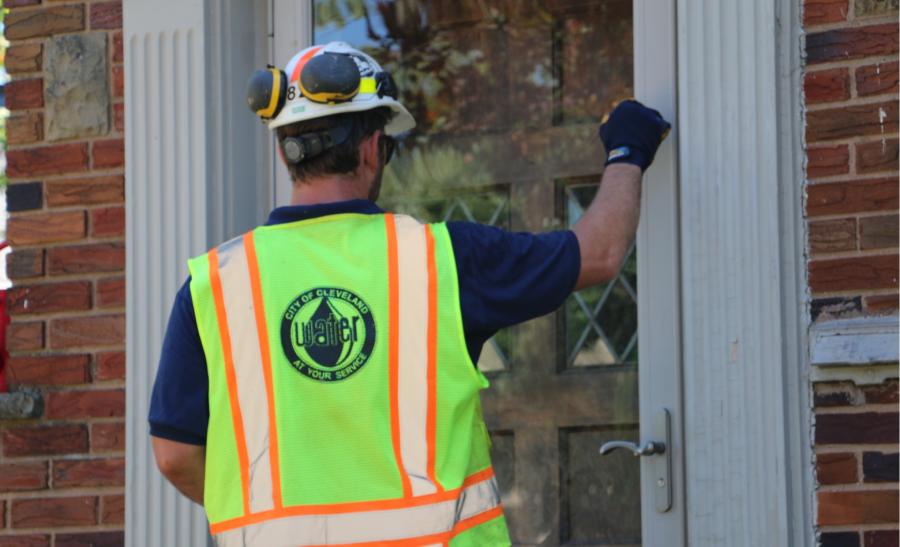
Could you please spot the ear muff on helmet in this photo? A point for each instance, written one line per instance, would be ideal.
(266, 92)
(330, 78)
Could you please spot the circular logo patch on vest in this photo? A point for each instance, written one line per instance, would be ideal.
(328, 334)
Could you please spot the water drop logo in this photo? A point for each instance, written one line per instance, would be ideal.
(328, 334)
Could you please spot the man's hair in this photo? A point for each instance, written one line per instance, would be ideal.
(343, 158)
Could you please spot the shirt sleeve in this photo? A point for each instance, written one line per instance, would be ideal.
(179, 405)
(507, 278)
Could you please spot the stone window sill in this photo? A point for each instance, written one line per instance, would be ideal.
(864, 349)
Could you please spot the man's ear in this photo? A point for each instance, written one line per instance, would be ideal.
(369, 151)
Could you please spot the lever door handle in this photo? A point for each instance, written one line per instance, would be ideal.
(649, 449)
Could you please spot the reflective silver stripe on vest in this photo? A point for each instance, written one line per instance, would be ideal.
(366, 526)
(238, 295)
(412, 393)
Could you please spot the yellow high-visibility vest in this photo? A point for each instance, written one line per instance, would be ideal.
(344, 406)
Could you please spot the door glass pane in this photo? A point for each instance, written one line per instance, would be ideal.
(507, 96)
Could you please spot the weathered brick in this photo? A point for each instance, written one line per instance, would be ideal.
(108, 437)
(16, 477)
(827, 85)
(877, 156)
(839, 539)
(882, 304)
(103, 330)
(118, 51)
(119, 116)
(87, 191)
(818, 12)
(829, 236)
(46, 513)
(870, 8)
(45, 440)
(47, 160)
(885, 393)
(24, 58)
(108, 222)
(851, 43)
(857, 273)
(106, 403)
(24, 336)
(44, 22)
(25, 541)
(23, 263)
(825, 161)
(866, 427)
(832, 394)
(110, 366)
(50, 369)
(91, 539)
(880, 467)
(109, 153)
(24, 196)
(834, 307)
(112, 510)
(852, 197)
(94, 472)
(46, 228)
(97, 257)
(25, 94)
(50, 297)
(876, 79)
(878, 232)
(848, 121)
(836, 468)
(25, 128)
(845, 508)
(19, 3)
(76, 73)
(111, 292)
(106, 15)
(118, 81)
(881, 538)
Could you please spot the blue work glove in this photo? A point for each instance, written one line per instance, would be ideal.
(632, 133)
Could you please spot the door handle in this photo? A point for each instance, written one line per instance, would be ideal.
(661, 468)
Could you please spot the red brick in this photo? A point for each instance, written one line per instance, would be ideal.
(112, 510)
(24, 263)
(50, 297)
(87, 191)
(98, 330)
(110, 366)
(20, 3)
(50, 369)
(108, 222)
(882, 538)
(829, 236)
(44, 22)
(858, 273)
(106, 15)
(118, 50)
(846, 508)
(852, 197)
(69, 473)
(97, 257)
(91, 539)
(828, 160)
(862, 428)
(25, 541)
(119, 116)
(827, 85)
(108, 437)
(45, 440)
(24, 94)
(833, 394)
(851, 121)
(24, 336)
(16, 477)
(24, 57)
(885, 393)
(118, 81)
(111, 292)
(54, 512)
(851, 43)
(882, 304)
(46, 228)
(818, 12)
(47, 160)
(109, 153)
(105, 403)
(878, 232)
(877, 156)
(25, 128)
(836, 468)
(876, 79)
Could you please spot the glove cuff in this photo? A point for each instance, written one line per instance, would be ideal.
(629, 154)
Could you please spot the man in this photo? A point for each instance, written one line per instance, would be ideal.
(317, 382)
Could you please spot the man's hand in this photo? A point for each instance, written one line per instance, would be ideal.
(631, 134)
(183, 464)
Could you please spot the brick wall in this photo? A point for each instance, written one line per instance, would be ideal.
(851, 91)
(62, 475)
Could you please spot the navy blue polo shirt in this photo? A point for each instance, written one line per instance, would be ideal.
(505, 278)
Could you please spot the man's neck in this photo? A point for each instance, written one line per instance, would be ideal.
(327, 190)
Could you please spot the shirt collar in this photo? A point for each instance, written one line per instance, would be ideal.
(294, 213)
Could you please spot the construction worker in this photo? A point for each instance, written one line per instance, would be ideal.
(317, 383)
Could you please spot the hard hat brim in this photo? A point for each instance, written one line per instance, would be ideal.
(302, 110)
